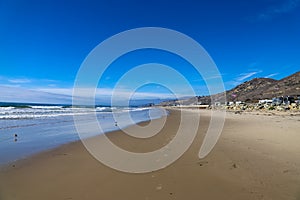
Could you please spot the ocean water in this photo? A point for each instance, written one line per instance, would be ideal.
(29, 129)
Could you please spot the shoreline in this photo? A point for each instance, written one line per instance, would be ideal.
(30, 137)
(30, 157)
(254, 159)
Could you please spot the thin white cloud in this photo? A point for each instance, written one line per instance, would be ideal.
(244, 76)
(241, 78)
(51, 93)
(108, 92)
(271, 75)
(18, 94)
(287, 6)
(218, 76)
(19, 80)
(273, 11)
(52, 85)
(25, 80)
(234, 83)
(213, 76)
(10, 85)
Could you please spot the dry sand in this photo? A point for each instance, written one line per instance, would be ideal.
(257, 157)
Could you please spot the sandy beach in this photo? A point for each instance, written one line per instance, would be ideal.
(257, 157)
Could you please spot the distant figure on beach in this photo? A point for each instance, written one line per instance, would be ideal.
(16, 137)
(116, 123)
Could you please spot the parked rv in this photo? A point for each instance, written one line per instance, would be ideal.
(265, 101)
(277, 101)
(288, 100)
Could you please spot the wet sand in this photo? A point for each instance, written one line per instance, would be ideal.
(257, 157)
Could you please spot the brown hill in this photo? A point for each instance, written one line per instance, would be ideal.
(289, 86)
(257, 88)
(250, 90)
(262, 88)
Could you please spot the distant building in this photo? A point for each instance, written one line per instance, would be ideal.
(238, 102)
(264, 101)
(217, 103)
(287, 100)
(230, 103)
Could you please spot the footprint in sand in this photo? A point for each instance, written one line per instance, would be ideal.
(202, 163)
(159, 187)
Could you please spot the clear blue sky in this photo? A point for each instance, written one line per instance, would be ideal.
(43, 43)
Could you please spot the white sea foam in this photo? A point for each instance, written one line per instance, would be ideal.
(37, 112)
(33, 112)
(46, 107)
